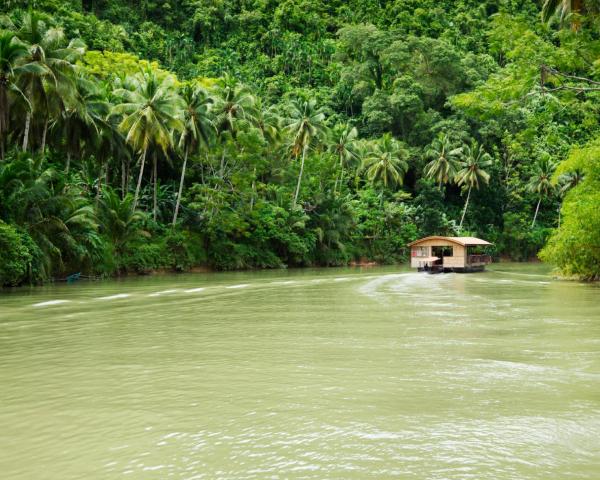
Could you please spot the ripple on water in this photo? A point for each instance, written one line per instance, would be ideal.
(50, 303)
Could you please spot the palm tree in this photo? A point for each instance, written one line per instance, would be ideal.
(445, 160)
(386, 163)
(119, 221)
(48, 81)
(151, 111)
(197, 129)
(84, 118)
(569, 180)
(12, 50)
(472, 172)
(563, 9)
(541, 182)
(235, 106)
(344, 146)
(234, 110)
(57, 216)
(305, 123)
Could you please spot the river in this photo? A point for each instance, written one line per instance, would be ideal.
(306, 374)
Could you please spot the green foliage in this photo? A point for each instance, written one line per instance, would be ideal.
(15, 257)
(575, 246)
(292, 132)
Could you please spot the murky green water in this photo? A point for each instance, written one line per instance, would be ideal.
(380, 373)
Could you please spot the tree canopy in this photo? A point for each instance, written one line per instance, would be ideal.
(169, 134)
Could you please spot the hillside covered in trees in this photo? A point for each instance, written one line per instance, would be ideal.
(268, 133)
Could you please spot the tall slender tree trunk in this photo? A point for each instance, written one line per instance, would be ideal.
(462, 218)
(26, 134)
(537, 209)
(253, 190)
(139, 181)
(177, 203)
(127, 174)
(155, 175)
(576, 8)
(222, 167)
(299, 177)
(68, 165)
(340, 178)
(122, 178)
(44, 135)
(99, 190)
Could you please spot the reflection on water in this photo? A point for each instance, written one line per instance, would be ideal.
(303, 374)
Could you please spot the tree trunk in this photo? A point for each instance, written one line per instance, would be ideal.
(44, 134)
(68, 165)
(340, 178)
(537, 209)
(122, 178)
(185, 158)
(26, 134)
(155, 209)
(139, 182)
(253, 190)
(222, 168)
(465, 209)
(99, 190)
(299, 178)
(576, 8)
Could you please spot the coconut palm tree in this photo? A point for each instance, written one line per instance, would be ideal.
(119, 221)
(305, 123)
(12, 51)
(234, 105)
(386, 163)
(540, 182)
(445, 160)
(151, 111)
(83, 118)
(473, 173)
(563, 9)
(57, 216)
(48, 82)
(234, 110)
(569, 180)
(197, 130)
(344, 146)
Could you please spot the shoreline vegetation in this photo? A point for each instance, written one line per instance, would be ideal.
(294, 133)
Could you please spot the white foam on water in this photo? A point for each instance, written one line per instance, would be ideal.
(50, 302)
(164, 292)
(283, 282)
(241, 285)
(195, 290)
(115, 297)
(342, 279)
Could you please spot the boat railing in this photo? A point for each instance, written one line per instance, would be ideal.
(485, 259)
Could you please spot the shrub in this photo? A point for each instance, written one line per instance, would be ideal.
(15, 258)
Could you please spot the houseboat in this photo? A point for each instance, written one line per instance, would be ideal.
(449, 254)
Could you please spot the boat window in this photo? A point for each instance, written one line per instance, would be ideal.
(443, 251)
(422, 252)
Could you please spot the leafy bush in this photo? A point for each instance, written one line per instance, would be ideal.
(18, 257)
(142, 258)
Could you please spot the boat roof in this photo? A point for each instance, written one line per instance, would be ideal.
(464, 241)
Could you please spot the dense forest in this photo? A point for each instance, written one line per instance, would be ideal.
(140, 135)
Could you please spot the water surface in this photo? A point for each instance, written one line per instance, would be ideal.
(309, 374)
